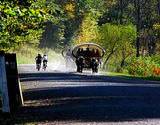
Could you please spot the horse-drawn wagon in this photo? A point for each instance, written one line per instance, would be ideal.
(88, 56)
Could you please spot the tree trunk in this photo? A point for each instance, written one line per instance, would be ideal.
(158, 6)
(106, 60)
(122, 62)
(123, 57)
(151, 45)
(137, 5)
(137, 46)
(121, 12)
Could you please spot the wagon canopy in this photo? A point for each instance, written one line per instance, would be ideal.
(91, 46)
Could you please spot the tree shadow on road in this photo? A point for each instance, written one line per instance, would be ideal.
(88, 107)
(132, 100)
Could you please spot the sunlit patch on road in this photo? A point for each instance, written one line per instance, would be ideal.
(56, 65)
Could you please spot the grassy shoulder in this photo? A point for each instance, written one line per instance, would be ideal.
(127, 76)
(26, 54)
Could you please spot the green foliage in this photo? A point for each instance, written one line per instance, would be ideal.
(88, 31)
(89, 5)
(113, 24)
(118, 40)
(156, 59)
(116, 35)
(18, 22)
(142, 66)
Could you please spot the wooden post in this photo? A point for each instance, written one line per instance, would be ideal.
(3, 85)
(14, 91)
(9, 83)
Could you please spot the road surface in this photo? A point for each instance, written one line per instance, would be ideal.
(57, 97)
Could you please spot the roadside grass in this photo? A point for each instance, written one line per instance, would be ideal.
(26, 54)
(127, 76)
(117, 74)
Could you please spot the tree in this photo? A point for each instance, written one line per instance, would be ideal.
(20, 19)
(115, 39)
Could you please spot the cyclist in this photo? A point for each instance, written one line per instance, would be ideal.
(38, 61)
(45, 60)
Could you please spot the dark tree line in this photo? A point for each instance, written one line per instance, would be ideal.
(145, 14)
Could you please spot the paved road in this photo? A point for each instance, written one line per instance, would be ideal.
(57, 97)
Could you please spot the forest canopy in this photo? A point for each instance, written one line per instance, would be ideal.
(125, 28)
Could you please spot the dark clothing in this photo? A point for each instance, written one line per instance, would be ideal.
(44, 64)
(97, 54)
(94, 65)
(87, 53)
(38, 59)
(80, 63)
(80, 52)
(45, 61)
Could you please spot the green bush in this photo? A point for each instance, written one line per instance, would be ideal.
(156, 59)
(142, 66)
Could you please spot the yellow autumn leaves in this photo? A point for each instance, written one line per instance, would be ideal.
(70, 8)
